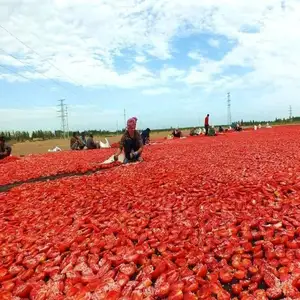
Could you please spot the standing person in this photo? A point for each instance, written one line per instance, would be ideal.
(90, 144)
(5, 149)
(146, 136)
(206, 124)
(131, 142)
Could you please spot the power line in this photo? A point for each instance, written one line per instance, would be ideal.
(27, 66)
(290, 112)
(228, 109)
(20, 75)
(51, 64)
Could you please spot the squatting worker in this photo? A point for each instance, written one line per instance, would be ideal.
(146, 136)
(91, 144)
(193, 132)
(206, 124)
(131, 142)
(75, 142)
(5, 149)
(177, 133)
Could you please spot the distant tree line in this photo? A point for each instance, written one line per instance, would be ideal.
(277, 121)
(21, 136)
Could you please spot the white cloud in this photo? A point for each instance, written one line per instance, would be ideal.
(157, 91)
(168, 73)
(195, 55)
(140, 59)
(85, 39)
(214, 43)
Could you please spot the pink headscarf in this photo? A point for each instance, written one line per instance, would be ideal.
(131, 124)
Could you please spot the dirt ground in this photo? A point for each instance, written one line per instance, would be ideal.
(36, 147)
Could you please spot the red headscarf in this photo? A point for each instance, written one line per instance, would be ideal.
(131, 124)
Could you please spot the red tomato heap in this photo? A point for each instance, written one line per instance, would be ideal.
(51, 164)
(201, 218)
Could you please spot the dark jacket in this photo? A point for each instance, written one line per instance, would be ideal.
(145, 136)
(90, 144)
(5, 150)
(136, 139)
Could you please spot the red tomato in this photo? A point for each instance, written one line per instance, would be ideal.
(26, 274)
(274, 293)
(15, 270)
(240, 274)
(226, 276)
(128, 269)
(136, 295)
(159, 269)
(176, 295)
(8, 285)
(23, 290)
(189, 296)
(237, 289)
(6, 295)
(201, 271)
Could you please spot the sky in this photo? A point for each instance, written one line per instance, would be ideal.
(167, 62)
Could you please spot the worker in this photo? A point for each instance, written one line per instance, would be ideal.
(238, 127)
(146, 136)
(206, 124)
(5, 149)
(176, 133)
(76, 143)
(221, 129)
(131, 142)
(193, 132)
(90, 144)
(212, 131)
(83, 138)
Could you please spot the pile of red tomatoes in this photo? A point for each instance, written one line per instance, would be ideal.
(200, 218)
(14, 170)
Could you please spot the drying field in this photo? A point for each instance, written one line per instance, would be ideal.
(39, 147)
(200, 218)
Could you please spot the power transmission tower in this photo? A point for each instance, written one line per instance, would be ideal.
(62, 116)
(67, 120)
(228, 109)
(291, 113)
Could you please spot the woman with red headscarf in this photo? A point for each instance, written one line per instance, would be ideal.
(131, 142)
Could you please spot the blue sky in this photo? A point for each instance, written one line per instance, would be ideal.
(167, 62)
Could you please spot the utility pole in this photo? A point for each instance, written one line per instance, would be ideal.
(291, 113)
(62, 116)
(228, 109)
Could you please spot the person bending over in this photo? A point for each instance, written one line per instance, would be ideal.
(131, 143)
(5, 149)
(90, 144)
(146, 136)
